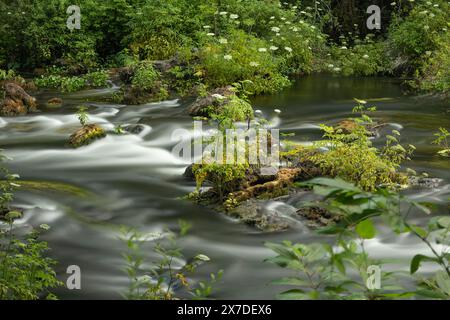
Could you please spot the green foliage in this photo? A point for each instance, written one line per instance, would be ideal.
(223, 177)
(73, 83)
(356, 208)
(145, 76)
(166, 278)
(442, 141)
(420, 32)
(234, 110)
(25, 271)
(82, 115)
(323, 272)
(352, 156)
(363, 59)
(241, 57)
(34, 33)
(419, 44)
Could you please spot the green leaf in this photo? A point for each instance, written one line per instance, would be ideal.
(420, 231)
(444, 222)
(366, 229)
(443, 281)
(417, 260)
(294, 294)
(289, 281)
(201, 257)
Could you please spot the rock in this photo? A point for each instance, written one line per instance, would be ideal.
(16, 101)
(86, 135)
(164, 66)
(215, 99)
(317, 217)
(134, 128)
(55, 101)
(347, 126)
(424, 182)
(254, 212)
(350, 125)
(125, 74)
(189, 173)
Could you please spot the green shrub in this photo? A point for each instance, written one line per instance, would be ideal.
(97, 79)
(25, 272)
(145, 76)
(351, 156)
(413, 39)
(241, 57)
(365, 59)
(163, 279)
(73, 83)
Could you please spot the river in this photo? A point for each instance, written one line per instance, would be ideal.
(135, 180)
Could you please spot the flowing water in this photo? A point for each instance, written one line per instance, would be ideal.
(135, 180)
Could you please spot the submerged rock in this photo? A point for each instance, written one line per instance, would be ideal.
(53, 102)
(349, 126)
(86, 135)
(424, 182)
(134, 128)
(254, 213)
(16, 101)
(316, 217)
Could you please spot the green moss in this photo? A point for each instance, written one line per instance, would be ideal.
(53, 187)
(86, 135)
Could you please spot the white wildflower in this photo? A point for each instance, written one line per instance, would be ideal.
(275, 29)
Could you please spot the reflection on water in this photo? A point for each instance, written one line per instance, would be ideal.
(135, 180)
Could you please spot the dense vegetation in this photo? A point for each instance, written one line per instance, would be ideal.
(226, 41)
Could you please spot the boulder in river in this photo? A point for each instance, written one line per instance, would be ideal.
(16, 101)
(86, 135)
(53, 102)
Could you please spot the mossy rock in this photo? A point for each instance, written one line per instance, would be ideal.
(86, 135)
(52, 186)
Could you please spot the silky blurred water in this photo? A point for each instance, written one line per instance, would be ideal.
(134, 180)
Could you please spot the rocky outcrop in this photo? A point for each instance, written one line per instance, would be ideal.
(17, 101)
(86, 135)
